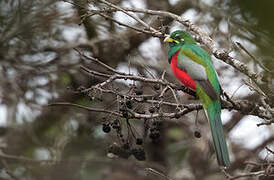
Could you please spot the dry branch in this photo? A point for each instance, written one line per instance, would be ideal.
(201, 36)
(243, 106)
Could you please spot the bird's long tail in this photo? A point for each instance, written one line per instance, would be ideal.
(213, 112)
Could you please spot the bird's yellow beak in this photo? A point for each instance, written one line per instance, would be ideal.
(168, 39)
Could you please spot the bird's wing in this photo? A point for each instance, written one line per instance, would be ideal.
(197, 64)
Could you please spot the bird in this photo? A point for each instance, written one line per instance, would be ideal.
(193, 67)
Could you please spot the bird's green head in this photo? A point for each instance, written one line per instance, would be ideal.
(176, 40)
(179, 38)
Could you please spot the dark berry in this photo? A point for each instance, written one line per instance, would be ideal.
(197, 134)
(125, 114)
(177, 115)
(154, 135)
(151, 109)
(129, 104)
(116, 124)
(106, 128)
(157, 135)
(138, 92)
(139, 141)
(139, 154)
(156, 86)
(116, 121)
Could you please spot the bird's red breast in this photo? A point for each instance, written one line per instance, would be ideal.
(180, 74)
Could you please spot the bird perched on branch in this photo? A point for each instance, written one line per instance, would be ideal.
(193, 66)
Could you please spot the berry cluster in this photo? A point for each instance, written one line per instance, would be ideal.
(115, 125)
(127, 146)
(138, 91)
(124, 106)
(154, 134)
(106, 128)
(126, 149)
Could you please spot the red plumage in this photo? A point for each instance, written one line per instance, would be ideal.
(180, 74)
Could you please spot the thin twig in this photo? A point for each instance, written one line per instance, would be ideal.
(269, 150)
(251, 174)
(84, 107)
(98, 62)
(128, 26)
(174, 94)
(155, 172)
(134, 17)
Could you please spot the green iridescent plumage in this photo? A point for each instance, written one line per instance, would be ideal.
(197, 63)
